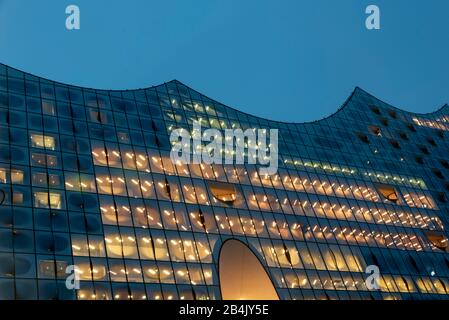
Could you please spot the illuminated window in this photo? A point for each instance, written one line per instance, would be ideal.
(99, 155)
(47, 200)
(120, 244)
(17, 176)
(437, 239)
(14, 176)
(79, 245)
(223, 192)
(388, 192)
(38, 159)
(3, 175)
(97, 272)
(17, 197)
(47, 268)
(404, 284)
(43, 160)
(40, 179)
(440, 286)
(41, 141)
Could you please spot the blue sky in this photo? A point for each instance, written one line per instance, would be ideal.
(287, 60)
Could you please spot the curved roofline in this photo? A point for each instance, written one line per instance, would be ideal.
(341, 108)
(271, 120)
(403, 110)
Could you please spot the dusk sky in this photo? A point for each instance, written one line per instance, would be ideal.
(286, 60)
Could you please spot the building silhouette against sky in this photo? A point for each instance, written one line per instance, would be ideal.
(86, 179)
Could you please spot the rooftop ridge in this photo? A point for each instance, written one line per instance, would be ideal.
(356, 91)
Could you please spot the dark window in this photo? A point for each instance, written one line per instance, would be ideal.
(444, 163)
(363, 137)
(423, 149)
(395, 144)
(375, 109)
(441, 197)
(438, 173)
(419, 160)
(411, 127)
(16, 102)
(431, 141)
(403, 135)
(392, 114)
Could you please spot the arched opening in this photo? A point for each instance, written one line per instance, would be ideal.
(242, 276)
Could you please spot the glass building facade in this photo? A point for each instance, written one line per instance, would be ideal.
(86, 179)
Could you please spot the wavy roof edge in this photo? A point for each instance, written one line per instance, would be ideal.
(357, 91)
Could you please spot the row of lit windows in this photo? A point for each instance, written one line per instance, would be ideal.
(331, 258)
(144, 271)
(136, 188)
(387, 283)
(316, 186)
(123, 244)
(195, 192)
(375, 176)
(287, 278)
(183, 247)
(139, 161)
(194, 274)
(141, 185)
(434, 124)
(102, 291)
(40, 199)
(118, 211)
(266, 225)
(304, 183)
(171, 192)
